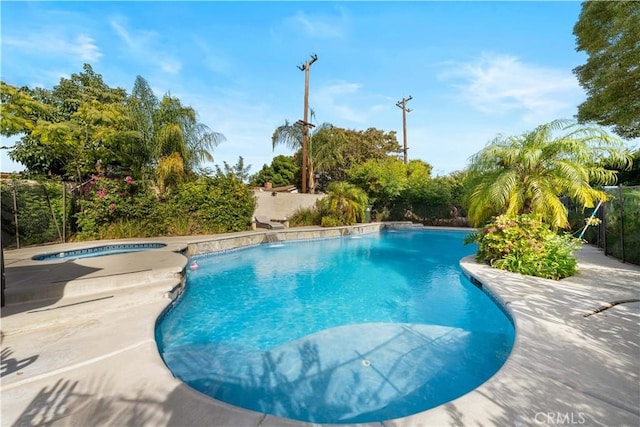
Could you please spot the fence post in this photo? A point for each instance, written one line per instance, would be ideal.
(15, 215)
(53, 214)
(604, 226)
(621, 223)
(64, 212)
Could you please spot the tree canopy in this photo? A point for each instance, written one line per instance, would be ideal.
(609, 33)
(333, 150)
(83, 127)
(282, 171)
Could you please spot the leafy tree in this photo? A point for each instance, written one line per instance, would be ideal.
(350, 147)
(239, 170)
(407, 192)
(333, 150)
(20, 111)
(427, 199)
(86, 139)
(360, 146)
(281, 172)
(608, 32)
(69, 94)
(384, 181)
(632, 175)
(83, 125)
(80, 121)
(529, 173)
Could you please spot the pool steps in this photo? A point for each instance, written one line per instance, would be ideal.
(90, 276)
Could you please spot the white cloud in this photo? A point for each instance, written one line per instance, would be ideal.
(124, 35)
(501, 84)
(214, 60)
(316, 26)
(169, 65)
(145, 46)
(320, 26)
(54, 42)
(345, 101)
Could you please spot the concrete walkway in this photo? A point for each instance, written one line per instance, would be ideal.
(86, 355)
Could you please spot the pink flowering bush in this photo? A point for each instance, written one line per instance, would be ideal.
(105, 201)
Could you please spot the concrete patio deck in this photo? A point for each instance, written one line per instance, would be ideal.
(86, 355)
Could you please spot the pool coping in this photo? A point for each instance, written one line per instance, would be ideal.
(526, 391)
(65, 255)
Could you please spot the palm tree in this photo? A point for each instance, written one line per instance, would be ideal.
(164, 127)
(529, 173)
(169, 172)
(321, 146)
(347, 201)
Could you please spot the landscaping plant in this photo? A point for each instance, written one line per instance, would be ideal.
(117, 207)
(217, 204)
(526, 245)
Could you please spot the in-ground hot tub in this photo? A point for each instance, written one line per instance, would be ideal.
(96, 251)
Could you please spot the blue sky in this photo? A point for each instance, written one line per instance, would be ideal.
(474, 69)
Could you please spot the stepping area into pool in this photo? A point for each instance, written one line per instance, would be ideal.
(90, 358)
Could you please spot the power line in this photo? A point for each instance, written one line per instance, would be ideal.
(403, 105)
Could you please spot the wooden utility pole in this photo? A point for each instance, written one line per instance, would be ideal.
(403, 105)
(305, 121)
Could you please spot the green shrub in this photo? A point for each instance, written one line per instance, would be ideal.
(213, 205)
(127, 228)
(110, 206)
(305, 216)
(526, 245)
(332, 221)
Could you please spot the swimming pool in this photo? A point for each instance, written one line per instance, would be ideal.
(95, 251)
(340, 330)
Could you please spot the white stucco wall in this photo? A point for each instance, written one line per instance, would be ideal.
(282, 205)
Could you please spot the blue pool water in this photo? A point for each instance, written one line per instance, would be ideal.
(337, 331)
(117, 248)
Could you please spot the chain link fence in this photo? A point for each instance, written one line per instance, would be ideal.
(618, 228)
(34, 213)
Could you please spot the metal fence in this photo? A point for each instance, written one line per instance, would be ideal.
(34, 212)
(618, 233)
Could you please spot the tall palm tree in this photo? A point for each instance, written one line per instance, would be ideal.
(164, 127)
(347, 201)
(529, 173)
(321, 146)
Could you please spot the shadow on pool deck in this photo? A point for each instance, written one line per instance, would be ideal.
(92, 407)
(34, 284)
(40, 285)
